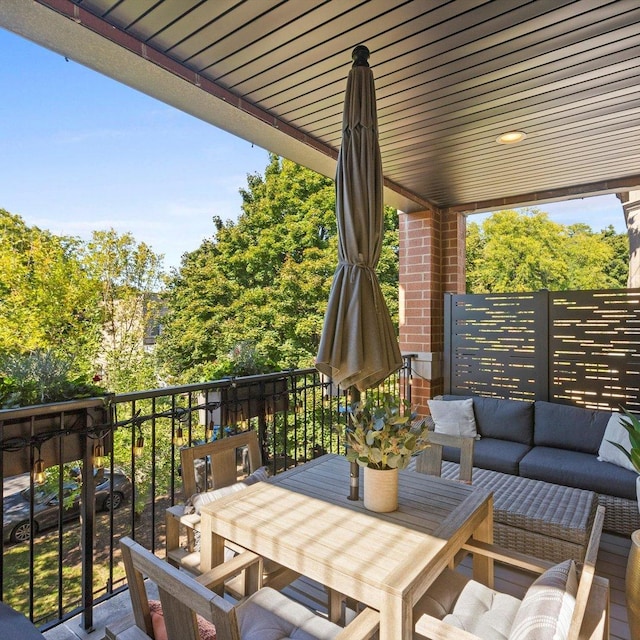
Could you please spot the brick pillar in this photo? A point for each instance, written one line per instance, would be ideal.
(432, 262)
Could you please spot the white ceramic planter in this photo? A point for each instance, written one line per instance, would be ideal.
(380, 490)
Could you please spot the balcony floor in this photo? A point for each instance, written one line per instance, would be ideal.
(612, 561)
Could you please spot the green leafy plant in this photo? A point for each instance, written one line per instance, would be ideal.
(383, 436)
(39, 377)
(632, 424)
(244, 359)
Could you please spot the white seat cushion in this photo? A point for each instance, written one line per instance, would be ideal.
(484, 612)
(269, 615)
(469, 605)
(544, 613)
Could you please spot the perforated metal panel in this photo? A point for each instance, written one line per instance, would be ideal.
(595, 348)
(494, 346)
(573, 347)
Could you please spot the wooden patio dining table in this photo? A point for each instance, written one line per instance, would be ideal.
(304, 520)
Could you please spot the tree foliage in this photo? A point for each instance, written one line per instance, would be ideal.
(129, 276)
(47, 299)
(619, 265)
(260, 285)
(82, 307)
(526, 251)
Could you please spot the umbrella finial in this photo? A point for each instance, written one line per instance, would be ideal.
(360, 55)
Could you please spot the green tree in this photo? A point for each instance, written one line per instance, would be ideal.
(618, 267)
(475, 243)
(262, 284)
(48, 301)
(130, 279)
(526, 251)
(587, 257)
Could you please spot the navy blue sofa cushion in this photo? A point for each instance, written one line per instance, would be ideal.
(578, 469)
(566, 427)
(503, 419)
(492, 453)
(564, 449)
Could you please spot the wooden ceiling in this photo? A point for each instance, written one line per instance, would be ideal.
(450, 77)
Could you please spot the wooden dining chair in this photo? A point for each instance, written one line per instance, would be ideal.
(189, 610)
(210, 470)
(430, 460)
(205, 467)
(457, 607)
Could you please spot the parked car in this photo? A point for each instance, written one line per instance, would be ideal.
(15, 517)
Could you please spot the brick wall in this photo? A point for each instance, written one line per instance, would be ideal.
(432, 262)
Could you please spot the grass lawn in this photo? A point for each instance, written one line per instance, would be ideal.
(57, 585)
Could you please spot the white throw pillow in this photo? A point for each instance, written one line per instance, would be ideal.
(454, 417)
(615, 432)
(547, 608)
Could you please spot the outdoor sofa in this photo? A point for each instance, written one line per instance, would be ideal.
(552, 443)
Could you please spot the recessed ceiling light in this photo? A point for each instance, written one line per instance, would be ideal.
(511, 137)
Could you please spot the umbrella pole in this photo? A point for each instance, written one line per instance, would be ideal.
(354, 481)
(354, 469)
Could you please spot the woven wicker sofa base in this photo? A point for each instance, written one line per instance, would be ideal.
(536, 544)
(621, 515)
(546, 520)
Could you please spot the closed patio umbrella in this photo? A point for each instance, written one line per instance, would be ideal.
(358, 346)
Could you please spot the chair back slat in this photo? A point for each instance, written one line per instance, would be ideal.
(180, 620)
(430, 460)
(220, 461)
(182, 597)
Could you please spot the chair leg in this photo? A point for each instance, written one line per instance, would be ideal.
(173, 536)
(336, 606)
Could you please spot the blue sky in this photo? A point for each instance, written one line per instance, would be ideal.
(79, 151)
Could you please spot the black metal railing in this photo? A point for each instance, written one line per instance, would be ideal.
(71, 564)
